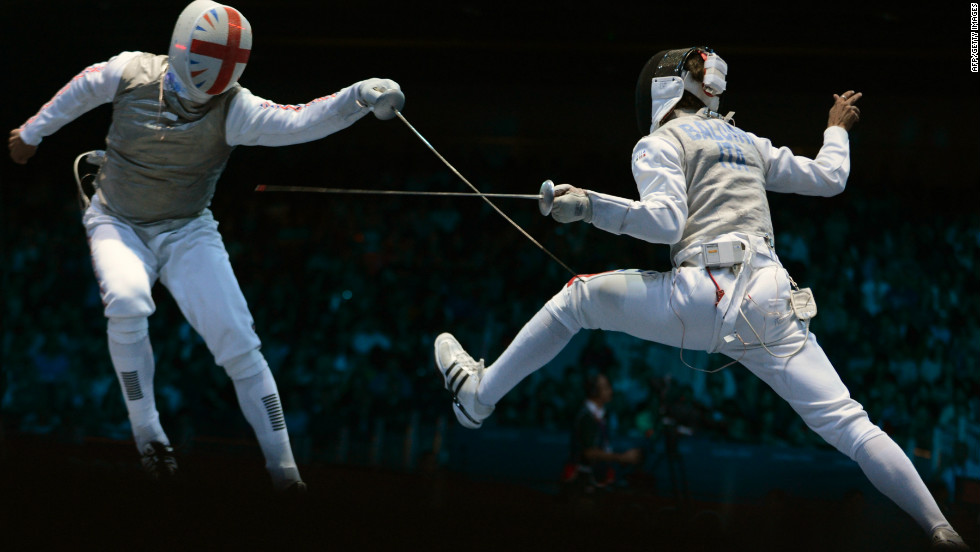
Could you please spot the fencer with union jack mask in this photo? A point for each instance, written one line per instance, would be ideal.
(702, 184)
(175, 121)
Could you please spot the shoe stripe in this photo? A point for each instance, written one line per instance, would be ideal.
(453, 380)
(446, 371)
(461, 382)
(467, 414)
(450, 375)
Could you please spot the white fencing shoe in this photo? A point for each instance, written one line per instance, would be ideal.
(461, 375)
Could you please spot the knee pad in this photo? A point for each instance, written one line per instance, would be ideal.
(246, 366)
(127, 331)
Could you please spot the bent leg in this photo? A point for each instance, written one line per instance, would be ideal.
(892, 473)
(538, 342)
(132, 358)
(125, 271)
(198, 274)
(194, 267)
(811, 386)
(665, 307)
(258, 397)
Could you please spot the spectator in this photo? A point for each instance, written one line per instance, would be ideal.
(592, 461)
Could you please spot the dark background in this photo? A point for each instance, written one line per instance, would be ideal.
(511, 94)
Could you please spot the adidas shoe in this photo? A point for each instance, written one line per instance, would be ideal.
(159, 462)
(461, 375)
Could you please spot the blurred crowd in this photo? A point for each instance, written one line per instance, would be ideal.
(348, 294)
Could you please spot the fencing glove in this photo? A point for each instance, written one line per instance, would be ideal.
(571, 204)
(382, 96)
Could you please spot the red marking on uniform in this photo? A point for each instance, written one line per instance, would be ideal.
(580, 276)
(97, 68)
(196, 73)
(265, 105)
(208, 19)
(180, 46)
(230, 54)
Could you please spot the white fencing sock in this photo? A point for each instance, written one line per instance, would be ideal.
(258, 398)
(132, 359)
(539, 341)
(892, 473)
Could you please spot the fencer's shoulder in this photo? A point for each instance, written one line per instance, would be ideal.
(149, 62)
(130, 55)
(657, 148)
(662, 137)
(243, 98)
(761, 143)
(673, 132)
(137, 68)
(244, 94)
(122, 59)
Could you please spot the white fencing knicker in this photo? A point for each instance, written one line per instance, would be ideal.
(682, 308)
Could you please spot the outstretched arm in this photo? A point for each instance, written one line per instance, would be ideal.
(659, 216)
(254, 121)
(824, 175)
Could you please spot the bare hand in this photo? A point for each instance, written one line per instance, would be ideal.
(20, 152)
(844, 113)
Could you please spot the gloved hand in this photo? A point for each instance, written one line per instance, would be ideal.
(382, 96)
(571, 204)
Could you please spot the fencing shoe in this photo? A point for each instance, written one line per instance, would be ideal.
(945, 538)
(159, 462)
(296, 492)
(297, 488)
(461, 375)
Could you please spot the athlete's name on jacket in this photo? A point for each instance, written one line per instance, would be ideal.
(715, 130)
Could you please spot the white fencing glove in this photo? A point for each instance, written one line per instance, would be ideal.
(383, 96)
(571, 204)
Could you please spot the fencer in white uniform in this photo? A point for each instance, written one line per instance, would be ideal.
(175, 121)
(702, 185)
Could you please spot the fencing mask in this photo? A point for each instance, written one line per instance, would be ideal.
(209, 49)
(664, 80)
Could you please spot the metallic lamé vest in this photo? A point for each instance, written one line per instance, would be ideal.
(162, 161)
(726, 179)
